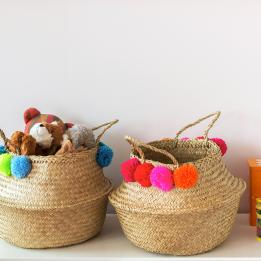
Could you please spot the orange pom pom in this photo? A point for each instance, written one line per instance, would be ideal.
(185, 176)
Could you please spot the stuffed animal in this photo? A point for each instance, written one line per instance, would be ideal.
(49, 136)
(81, 136)
(67, 147)
(33, 116)
(23, 143)
(41, 127)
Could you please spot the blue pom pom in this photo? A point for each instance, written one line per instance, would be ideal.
(104, 155)
(20, 166)
(2, 149)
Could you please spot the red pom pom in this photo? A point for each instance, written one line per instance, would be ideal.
(185, 176)
(128, 168)
(142, 174)
(221, 144)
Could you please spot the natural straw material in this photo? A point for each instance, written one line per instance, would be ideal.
(182, 221)
(62, 202)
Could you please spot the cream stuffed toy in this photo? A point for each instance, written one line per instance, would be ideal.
(81, 136)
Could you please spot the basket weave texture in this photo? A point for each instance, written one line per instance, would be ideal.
(182, 221)
(62, 202)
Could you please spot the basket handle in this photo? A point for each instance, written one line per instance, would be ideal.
(136, 145)
(216, 116)
(107, 126)
(7, 141)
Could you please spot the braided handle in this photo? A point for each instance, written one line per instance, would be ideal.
(3, 137)
(136, 145)
(216, 116)
(107, 126)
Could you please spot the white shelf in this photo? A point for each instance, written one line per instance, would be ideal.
(112, 245)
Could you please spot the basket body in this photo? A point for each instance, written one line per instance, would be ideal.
(179, 233)
(181, 221)
(62, 202)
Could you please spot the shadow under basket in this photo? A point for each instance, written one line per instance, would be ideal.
(180, 221)
(62, 201)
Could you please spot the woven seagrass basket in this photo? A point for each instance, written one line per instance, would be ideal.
(181, 221)
(62, 202)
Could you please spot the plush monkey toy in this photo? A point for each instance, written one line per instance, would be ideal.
(23, 143)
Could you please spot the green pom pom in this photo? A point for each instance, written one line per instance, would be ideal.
(5, 164)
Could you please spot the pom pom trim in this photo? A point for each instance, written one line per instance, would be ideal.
(160, 177)
(21, 166)
(3, 150)
(18, 166)
(104, 155)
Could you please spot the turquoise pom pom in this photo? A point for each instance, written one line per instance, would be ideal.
(2, 149)
(104, 155)
(20, 166)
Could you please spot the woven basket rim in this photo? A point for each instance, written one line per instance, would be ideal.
(209, 145)
(66, 155)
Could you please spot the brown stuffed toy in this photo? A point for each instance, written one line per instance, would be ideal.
(57, 133)
(49, 137)
(67, 147)
(22, 143)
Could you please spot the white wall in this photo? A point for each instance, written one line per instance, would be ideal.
(154, 64)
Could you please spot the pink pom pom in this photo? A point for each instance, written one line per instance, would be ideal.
(128, 168)
(185, 138)
(221, 144)
(162, 178)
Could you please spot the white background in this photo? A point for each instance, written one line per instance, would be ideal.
(156, 65)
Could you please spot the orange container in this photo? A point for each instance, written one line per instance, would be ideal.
(255, 187)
